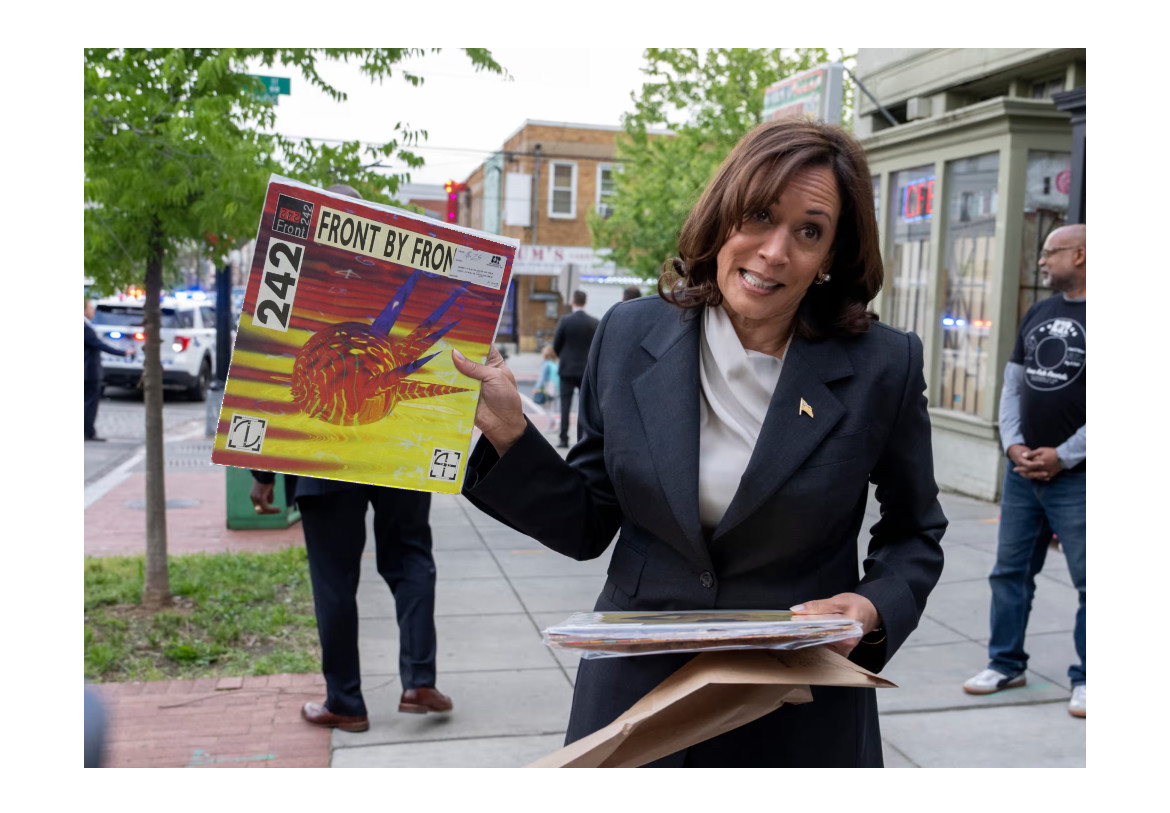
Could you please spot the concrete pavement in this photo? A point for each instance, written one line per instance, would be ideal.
(498, 589)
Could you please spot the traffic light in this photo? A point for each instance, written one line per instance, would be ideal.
(453, 188)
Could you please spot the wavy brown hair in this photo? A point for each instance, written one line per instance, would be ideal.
(751, 178)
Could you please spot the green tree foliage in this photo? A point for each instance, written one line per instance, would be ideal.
(709, 100)
(176, 154)
(175, 147)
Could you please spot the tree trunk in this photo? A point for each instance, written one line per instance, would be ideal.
(156, 588)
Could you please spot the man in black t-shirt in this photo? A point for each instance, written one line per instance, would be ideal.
(1042, 429)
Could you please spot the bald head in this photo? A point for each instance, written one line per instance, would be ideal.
(1063, 263)
(1073, 234)
(344, 189)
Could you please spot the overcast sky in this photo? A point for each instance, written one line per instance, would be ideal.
(467, 115)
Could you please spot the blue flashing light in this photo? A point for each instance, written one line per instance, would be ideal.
(948, 321)
(115, 334)
(960, 322)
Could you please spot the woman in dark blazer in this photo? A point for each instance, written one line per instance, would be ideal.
(728, 432)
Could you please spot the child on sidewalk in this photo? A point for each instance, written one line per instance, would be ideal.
(548, 385)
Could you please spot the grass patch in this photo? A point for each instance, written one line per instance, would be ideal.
(234, 614)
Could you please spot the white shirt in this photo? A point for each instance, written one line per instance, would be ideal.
(736, 386)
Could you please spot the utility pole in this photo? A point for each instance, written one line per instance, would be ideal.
(535, 190)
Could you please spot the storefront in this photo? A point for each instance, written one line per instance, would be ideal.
(964, 202)
(543, 279)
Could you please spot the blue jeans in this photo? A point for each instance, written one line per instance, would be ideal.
(1030, 512)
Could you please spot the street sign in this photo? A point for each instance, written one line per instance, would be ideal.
(274, 87)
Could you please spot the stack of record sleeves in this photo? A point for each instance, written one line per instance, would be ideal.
(598, 635)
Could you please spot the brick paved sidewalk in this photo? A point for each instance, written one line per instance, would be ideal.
(234, 722)
(116, 526)
(231, 722)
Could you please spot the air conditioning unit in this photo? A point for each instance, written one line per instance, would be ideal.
(605, 210)
(919, 107)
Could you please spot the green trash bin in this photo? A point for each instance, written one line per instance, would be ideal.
(241, 516)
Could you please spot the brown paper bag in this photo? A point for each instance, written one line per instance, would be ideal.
(713, 693)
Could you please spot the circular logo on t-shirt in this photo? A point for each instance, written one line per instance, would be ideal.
(1054, 354)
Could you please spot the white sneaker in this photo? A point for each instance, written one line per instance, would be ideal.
(1076, 703)
(989, 681)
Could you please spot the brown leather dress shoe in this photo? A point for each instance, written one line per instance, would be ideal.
(317, 714)
(420, 701)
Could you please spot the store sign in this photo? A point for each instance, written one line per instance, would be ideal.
(548, 260)
(815, 93)
(1063, 181)
(918, 200)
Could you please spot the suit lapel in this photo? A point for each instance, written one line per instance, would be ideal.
(667, 395)
(788, 435)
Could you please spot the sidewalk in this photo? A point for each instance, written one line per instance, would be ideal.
(498, 589)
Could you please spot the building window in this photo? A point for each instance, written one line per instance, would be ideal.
(1045, 89)
(972, 202)
(910, 216)
(877, 197)
(562, 189)
(605, 190)
(1045, 208)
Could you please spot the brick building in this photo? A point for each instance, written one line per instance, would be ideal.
(540, 188)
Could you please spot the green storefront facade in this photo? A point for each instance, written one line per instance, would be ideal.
(967, 184)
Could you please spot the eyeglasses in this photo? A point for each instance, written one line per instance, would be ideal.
(1048, 252)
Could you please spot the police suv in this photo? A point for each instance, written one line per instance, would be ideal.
(188, 341)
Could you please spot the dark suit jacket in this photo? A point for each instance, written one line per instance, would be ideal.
(93, 354)
(789, 535)
(571, 343)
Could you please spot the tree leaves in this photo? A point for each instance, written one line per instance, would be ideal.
(709, 100)
(174, 137)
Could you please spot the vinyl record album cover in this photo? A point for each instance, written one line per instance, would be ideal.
(342, 362)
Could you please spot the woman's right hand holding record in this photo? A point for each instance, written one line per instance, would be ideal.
(499, 415)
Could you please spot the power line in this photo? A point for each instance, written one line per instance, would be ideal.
(481, 151)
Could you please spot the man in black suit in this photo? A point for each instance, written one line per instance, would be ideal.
(571, 344)
(93, 370)
(333, 514)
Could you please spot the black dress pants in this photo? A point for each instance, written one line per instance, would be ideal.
(335, 535)
(568, 387)
(93, 394)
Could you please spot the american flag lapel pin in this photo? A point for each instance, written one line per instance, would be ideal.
(805, 409)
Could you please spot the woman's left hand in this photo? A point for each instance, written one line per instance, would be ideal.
(850, 605)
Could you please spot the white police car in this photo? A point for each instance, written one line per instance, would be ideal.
(188, 341)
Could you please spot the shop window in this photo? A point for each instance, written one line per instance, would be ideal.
(972, 201)
(562, 189)
(1045, 209)
(506, 332)
(910, 215)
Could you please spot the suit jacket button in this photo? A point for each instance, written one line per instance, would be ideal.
(706, 580)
